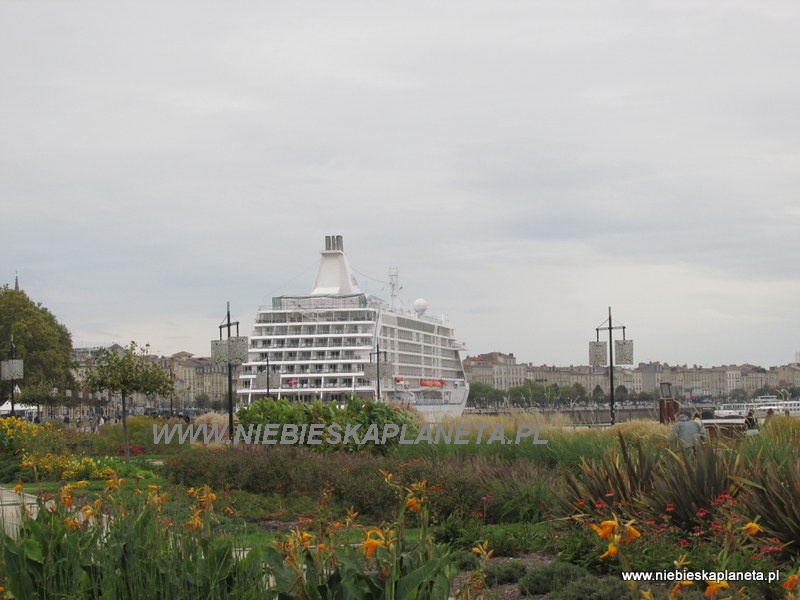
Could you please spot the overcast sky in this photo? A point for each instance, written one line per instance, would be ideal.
(524, 165)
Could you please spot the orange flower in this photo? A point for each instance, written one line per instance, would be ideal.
(371, 544)
(413, 504)
(752, 528)
(66, 496)
(606, 529)
(196, 520)
(18, 488)
(630, 532)
(716, 586)
(790, 583)
(676, 589)
(611, 552)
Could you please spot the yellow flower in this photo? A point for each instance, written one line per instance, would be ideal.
(18, 488)
(483, 551)
(611, 552)
(716, 586)
(752, 528)
(648, 595)
(681, 562)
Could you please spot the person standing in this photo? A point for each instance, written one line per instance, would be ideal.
(688, 433)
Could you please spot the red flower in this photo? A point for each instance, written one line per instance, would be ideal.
(670, 508)
(684, 543)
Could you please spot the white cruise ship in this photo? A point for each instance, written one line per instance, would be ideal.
(338, 341)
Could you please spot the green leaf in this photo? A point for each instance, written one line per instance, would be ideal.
(407, 587)
(33, 551)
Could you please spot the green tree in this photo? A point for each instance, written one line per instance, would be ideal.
(598, 395)
(202, 400)
(126, 372)
(483, 394)
(44, 344)
(580, 392)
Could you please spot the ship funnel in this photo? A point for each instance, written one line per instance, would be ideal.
(334, 243)
(334, 276)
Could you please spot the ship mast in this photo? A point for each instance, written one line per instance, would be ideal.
(394, 286)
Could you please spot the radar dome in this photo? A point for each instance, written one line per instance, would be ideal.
(420, 306)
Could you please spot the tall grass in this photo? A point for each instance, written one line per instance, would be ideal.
(566, 444)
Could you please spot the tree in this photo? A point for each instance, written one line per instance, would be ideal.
(126, 372)
(483, 394)
(598, 395)
(580, 392)
(44, 344)
(202, 400)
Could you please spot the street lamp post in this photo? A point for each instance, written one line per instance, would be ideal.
(597, 355)
(12, 370)
(232, 350)
(378, 352)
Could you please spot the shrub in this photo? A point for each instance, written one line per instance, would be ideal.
(140, 433)
(509, 572)
(592, 588)
(773, 493)
(543, 579)
(620, 478)
(689, 481)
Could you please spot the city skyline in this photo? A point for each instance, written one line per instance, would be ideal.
(523, 166)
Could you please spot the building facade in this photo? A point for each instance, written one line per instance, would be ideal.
(502, 371)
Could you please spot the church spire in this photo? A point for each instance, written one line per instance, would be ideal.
(16, 282)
